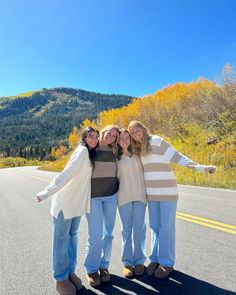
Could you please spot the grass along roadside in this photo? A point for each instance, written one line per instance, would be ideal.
(18, 162)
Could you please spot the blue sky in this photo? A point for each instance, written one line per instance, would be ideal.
(132, 47)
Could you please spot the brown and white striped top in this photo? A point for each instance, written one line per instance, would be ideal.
(159, 177)
(104, 181)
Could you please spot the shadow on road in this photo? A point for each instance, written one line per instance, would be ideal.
(177, 284)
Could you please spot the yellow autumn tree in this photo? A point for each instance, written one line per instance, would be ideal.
(165, 109)
(73, 138)
(56, 153)
(88, 123)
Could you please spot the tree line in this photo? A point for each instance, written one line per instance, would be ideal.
(31, 126)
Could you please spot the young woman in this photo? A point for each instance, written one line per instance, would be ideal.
(71, 199)
(101, 219)
(132, 207)
(162, 194)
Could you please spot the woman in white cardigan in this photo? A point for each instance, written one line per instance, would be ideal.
(71, 199)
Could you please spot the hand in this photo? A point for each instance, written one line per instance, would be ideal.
(210, 169)
(38, 199)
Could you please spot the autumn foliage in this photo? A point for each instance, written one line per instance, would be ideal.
(73, 138)
(189, 116)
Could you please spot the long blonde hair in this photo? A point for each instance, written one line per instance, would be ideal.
(144, 147)
(108, 128)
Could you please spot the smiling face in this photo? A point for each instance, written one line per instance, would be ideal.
(124, 140)
(92, 139)
(136, 133)
(110, 136)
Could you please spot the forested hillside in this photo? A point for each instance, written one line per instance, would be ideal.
(33, 123)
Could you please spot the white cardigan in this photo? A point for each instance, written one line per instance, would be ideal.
(71, 189)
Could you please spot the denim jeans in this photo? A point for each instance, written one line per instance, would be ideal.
(162, 215)
(132, 217)
(64, 246)
(101, 222)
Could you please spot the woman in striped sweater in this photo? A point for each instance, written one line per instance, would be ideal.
(161, 188)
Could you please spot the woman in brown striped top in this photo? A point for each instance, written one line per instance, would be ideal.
(101, 219)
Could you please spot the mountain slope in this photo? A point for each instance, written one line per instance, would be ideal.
(30, 126)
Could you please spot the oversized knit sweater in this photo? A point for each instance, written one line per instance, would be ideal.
(159, 177)
(130, 174)
(71, 188)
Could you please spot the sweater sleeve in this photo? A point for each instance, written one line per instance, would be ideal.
(171, 154)
(71, 169)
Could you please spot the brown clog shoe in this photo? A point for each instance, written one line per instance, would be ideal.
(162, 272)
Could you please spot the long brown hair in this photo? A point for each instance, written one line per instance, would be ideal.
(144, 147)
(119, 148)
(84, 134)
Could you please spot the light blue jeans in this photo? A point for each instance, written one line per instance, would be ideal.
(162, 215)
(132, 217)
(101, 222)
(64, 246)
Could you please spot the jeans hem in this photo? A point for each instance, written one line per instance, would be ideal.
(139, 262)
(60, 279)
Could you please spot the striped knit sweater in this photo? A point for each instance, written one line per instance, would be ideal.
(159, 177)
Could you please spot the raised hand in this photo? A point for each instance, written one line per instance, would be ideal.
(38, 199)
(210, 169)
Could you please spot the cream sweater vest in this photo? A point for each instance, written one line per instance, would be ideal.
(130, 175)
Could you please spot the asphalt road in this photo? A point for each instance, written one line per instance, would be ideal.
(206, 243)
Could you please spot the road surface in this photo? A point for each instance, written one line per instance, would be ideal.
(206, 242)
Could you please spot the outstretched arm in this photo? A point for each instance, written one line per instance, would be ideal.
(72, 167)
(171, 154)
